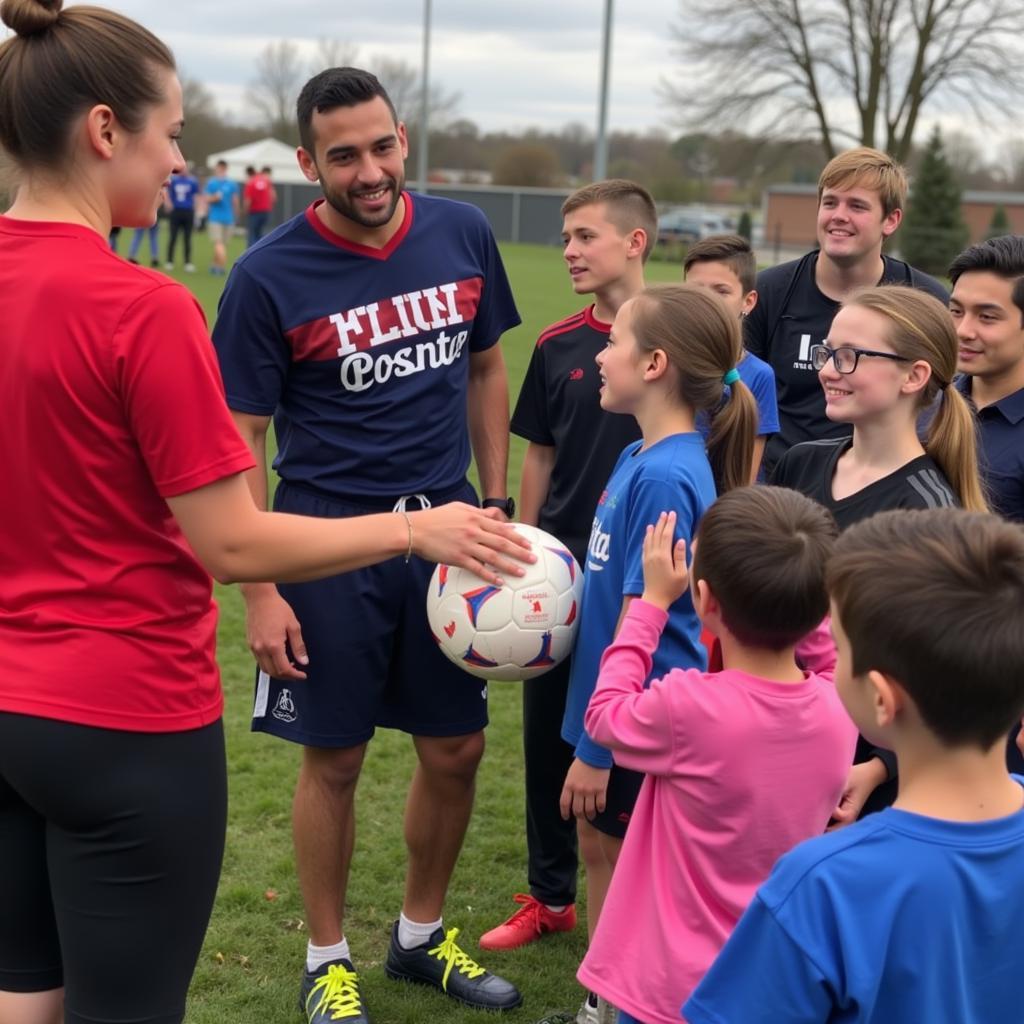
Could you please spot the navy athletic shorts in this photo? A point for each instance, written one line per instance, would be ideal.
(372, 659)
(620, 799)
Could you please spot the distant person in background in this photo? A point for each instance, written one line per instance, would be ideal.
(181, 216)
(202, 206)
(222, 196)
(115, 234)
(258, 200)
(861, 195)
(153, 232)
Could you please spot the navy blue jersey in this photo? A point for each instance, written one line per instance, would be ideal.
(362, 355)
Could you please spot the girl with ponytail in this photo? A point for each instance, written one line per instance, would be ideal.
(126, 490)
(670, 360)
(891, 353)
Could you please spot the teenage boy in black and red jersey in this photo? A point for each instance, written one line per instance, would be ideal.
(609, 230)
(861, 194)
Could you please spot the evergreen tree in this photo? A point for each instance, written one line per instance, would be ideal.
(933, 231)
(743, 229)
(1000, 223)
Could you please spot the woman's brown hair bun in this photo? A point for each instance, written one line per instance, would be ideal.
(29, 17)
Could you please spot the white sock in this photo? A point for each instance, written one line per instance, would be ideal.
(412, 933)
(317, 956)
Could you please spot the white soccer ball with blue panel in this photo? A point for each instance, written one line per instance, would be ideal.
(516, 631)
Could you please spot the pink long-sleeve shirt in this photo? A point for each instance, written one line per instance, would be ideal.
(739, 770)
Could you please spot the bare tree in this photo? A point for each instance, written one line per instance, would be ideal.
(197, 100)
(402, 81)
(334, 53)
(856, 70)
(275, 87)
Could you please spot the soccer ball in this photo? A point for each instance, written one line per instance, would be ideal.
(517, 631)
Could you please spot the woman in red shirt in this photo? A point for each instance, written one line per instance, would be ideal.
(125, 490)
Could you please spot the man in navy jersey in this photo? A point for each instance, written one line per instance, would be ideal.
(368, 328)
(861, 194)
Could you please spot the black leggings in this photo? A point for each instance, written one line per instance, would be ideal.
(180, 223)
(110, 849)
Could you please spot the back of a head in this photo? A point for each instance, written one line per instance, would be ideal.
(935, 600)
(869, 169)
(332, 88)
(62, 63)
(1002, 256)
(762, 551)
(732, 250)
(703, 345)
(627, 205)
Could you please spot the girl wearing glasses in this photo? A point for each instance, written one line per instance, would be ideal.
(889, 353)
(891, 350)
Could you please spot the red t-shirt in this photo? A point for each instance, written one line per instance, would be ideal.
(110, 401)
(260, 193)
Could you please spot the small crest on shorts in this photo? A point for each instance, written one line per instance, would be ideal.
(284, 708)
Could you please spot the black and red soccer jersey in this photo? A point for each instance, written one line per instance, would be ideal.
(559, 405)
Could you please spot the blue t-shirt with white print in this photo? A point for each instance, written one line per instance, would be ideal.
(672, 475)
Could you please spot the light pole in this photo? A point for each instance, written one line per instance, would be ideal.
(601, 143)
(422, 151)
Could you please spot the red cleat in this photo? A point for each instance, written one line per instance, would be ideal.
(528, 924)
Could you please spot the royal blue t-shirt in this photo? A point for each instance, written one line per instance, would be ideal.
(896, 919)
(672, 475)
(183, 191)
(222, 210)
(362, 355)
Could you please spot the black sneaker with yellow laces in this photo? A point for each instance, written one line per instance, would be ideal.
(441, 963)
(331, 993)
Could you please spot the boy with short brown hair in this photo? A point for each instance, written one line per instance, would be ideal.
(726, 266)
(911, 914)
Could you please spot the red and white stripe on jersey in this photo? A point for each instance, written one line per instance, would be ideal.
(386, 320)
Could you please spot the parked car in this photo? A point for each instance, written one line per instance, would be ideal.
(687, 224)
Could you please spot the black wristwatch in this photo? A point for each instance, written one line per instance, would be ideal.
(507, 505)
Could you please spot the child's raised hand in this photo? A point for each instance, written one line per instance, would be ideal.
(665, 574)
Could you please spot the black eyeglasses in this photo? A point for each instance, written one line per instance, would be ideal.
(845, 358)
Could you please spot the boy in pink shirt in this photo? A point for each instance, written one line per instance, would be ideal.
(741, 764)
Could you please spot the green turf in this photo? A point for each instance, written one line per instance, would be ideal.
(250, 964)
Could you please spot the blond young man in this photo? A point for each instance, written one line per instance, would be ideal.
(861, 194)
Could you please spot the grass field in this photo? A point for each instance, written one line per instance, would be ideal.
(250, 964)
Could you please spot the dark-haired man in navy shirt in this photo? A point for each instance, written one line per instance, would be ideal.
(987, 305)
(368, 328)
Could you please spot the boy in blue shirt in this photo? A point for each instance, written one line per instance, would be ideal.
(911, 914)
(726, 266)
(222, 196)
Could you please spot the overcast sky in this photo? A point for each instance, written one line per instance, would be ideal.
(515, 64)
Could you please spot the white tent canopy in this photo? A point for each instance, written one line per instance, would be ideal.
(278, 156)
